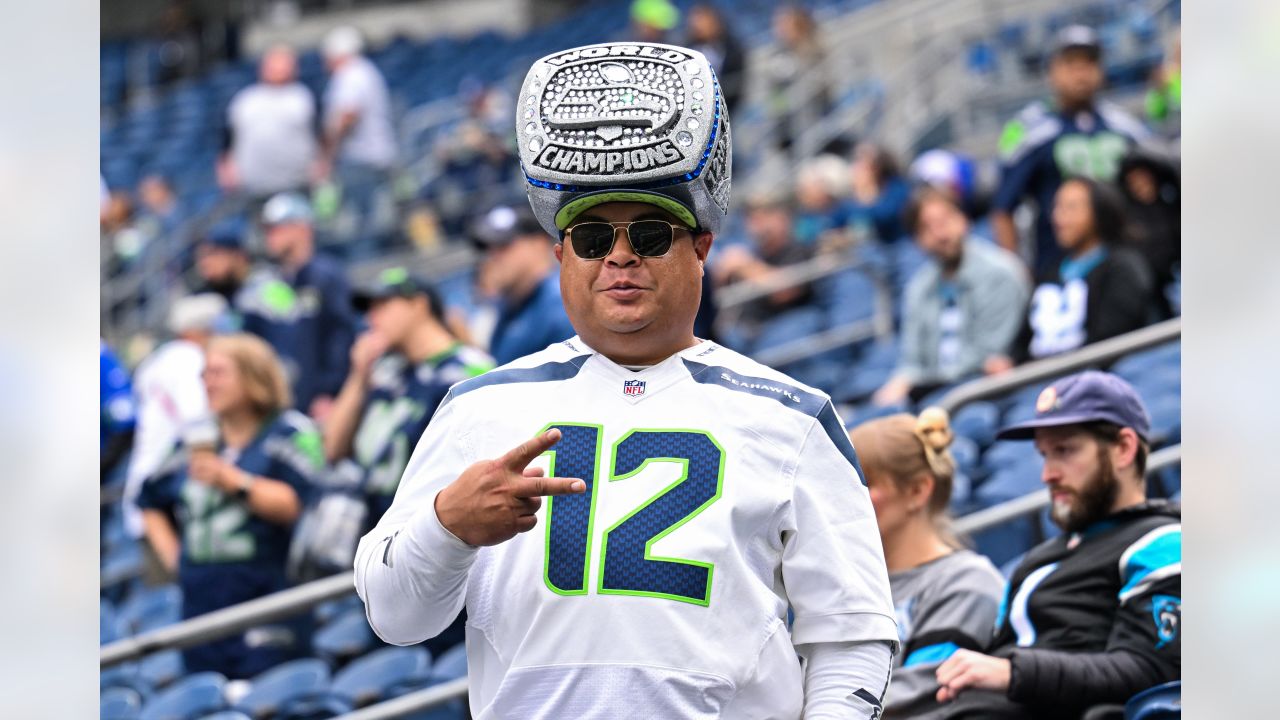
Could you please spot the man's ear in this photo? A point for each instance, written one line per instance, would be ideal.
(702, 245)
(1125, 449)
(559, 251)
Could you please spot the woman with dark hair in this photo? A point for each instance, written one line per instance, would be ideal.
(220, 512)
(1100, 289)
(878, 193)
(945, 597)
(799, 89)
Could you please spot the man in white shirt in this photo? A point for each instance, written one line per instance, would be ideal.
(694, 496)
(171, 396)
(272, 146)
(360, 142)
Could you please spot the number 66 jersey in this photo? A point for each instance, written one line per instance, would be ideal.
(720, 494)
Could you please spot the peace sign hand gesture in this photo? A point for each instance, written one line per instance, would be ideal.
(494, 500)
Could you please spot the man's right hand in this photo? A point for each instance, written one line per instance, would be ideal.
(494, 500)
(365, 351)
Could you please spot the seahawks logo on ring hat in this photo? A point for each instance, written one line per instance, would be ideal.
(624, 122)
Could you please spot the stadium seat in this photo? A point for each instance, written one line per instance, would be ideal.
(372, 677)
(451, 664)
(148, 609)
(282, 684)
(160, 669)
(327, 612)
(977, 421)
(1007, 455)
(1161, 702)
(226, 715)
(343, 638)
(118, 703)
(192, 697)
(106, 622)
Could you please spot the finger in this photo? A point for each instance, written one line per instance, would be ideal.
(521, 456)
(536, 486)
(948, 670)
(534, 472)
(528, 506)
(525, 523)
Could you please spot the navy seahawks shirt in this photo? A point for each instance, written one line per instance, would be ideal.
(218, 532)
(1043, 146)
(402, 398)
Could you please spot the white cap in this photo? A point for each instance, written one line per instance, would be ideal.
(342, 42)
(196, 312)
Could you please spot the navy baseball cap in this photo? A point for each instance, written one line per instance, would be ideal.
(226, 235)
(503, 224)
(1090, 396)
(395, 282)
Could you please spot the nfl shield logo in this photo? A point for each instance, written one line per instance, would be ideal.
(632, 387)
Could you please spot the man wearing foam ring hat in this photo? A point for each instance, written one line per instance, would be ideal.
(692, 496)
(1093, 616)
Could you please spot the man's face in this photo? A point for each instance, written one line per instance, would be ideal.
(1080, 474)
(1072, 216)
(1075, 76)
(505, 267)
(394, 318)
(941, 230)
(625, 293)
(284, 239)
(219, 266)
(769, 226)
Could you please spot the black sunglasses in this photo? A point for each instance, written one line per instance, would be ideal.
(648, 238)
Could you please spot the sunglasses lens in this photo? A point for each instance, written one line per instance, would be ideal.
(650, 238)
(591, 240)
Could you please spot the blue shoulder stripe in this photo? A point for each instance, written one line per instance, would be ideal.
(1154, 557)
(811, 404)
(546, 372)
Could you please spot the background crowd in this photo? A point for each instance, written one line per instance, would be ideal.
(296, 268)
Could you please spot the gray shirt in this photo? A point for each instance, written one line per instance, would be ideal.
(273, 138)
(941, 606)
(990, 290)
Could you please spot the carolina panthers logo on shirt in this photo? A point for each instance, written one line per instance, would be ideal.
(1166, 610)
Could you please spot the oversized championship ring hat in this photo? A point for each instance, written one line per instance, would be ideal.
(624, 122)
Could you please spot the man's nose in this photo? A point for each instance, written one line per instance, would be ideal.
(622, 254)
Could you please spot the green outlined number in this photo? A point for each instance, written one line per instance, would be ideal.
(627, 563)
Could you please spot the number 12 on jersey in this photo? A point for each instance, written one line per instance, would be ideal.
(627, 564)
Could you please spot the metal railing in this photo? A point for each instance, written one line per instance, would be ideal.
(1085, 357)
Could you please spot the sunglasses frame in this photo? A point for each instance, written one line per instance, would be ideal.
(626, 227)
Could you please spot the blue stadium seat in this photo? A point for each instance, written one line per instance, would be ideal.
(227, 715)
(106, 622)
(451, 664)
(275, 688)
(160, 669)
(372, 677)
(118, 703)
(344, 638)
(977, 421)
(150, 608)
(966, 454)
(327, 612)
(124, 675)
(790, 325)
(1161, 702)
(1006, 455)
(191, 697)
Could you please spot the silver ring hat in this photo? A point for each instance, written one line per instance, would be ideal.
(624, 122)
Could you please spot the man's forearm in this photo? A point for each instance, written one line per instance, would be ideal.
(1005, 231)
(845, 680)
(344, 418)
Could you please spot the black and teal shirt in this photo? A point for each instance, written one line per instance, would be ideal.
(402, 398)
(1043, 146)
(1095, 617)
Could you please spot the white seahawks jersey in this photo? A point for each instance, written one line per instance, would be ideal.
(720, 493)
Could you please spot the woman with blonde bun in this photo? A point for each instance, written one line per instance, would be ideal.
(945, 596)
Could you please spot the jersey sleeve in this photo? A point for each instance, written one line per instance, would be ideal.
(1144, 648)
(410, 571)
(160, 490)
(832, 562)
